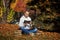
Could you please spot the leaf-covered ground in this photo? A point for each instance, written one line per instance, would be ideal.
(8, 34)
(40, 36)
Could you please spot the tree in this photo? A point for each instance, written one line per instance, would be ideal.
(5, 8)
(46, 19)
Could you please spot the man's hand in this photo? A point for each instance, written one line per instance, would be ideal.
(32, 27)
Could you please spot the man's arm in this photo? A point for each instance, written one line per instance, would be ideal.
(21, 22)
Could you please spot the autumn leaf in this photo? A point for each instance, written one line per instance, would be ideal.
(18, 6)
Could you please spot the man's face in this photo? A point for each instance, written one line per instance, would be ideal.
(26, 14)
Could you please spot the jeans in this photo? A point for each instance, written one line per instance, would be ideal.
(27, 31)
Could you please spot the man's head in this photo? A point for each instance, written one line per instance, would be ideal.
(26, 14)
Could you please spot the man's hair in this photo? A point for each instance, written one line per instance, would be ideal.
(27, 12)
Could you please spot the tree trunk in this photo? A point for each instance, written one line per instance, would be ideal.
(6, 4)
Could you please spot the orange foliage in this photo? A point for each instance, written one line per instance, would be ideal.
(18, 6)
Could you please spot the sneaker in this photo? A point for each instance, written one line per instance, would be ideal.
(32, 34)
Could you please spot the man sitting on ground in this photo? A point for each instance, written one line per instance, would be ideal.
(25, 24)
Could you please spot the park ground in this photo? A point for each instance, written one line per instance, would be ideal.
(10, 32)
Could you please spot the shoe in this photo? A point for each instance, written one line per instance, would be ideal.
(32, 34)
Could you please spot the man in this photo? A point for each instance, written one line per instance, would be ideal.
(25, 24)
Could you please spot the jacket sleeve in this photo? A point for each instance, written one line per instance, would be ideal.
(21, 22)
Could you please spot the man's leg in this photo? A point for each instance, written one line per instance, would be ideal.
(28, 31)
(33, 30)
(25, 30)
